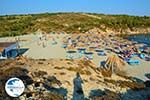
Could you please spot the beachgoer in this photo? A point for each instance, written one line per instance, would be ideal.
(54, 41)
(44, 44)
(70, 41)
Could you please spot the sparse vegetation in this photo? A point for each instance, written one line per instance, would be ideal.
(120, 72)
(126, 84)
(105, 95)
(69, 22)
(80, 70)
(48, 82)
(40, 74)
(106, 73)
(131, 85)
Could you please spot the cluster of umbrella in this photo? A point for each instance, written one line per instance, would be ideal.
(79, 45)
(84, 53)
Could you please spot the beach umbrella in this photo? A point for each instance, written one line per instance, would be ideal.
(92, 48)
(81, 50)
(89, 55)
(114, 63)
(139, 45)
(80, 44)
(71, 54)
(147, 51)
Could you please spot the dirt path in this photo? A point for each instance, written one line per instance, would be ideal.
(93, 16)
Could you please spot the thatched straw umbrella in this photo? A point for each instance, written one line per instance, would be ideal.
(114, 63)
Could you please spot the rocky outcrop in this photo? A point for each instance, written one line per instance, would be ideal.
(45, 80)
(147, 83)
(120, 31)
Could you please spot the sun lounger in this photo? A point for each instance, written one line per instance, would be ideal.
(141, 49)
(64, 46)
(147, 58)
(100, 53)
(133, 55)
(97, 50)
(73, 55)
(54, 43)
(142, 56)
(126, 59)
(133, 62)
(81, 50)
(120, 56)
(70, 56)
(77, 56)
(89, 55)
(102, 64)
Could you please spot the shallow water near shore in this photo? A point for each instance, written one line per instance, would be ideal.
(140, 38)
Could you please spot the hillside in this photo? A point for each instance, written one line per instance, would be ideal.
(71, 22)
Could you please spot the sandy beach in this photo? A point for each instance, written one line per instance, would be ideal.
(81, 50)
(49, 56)
(55, 51)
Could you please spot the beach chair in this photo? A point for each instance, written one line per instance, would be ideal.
(54, 43)
(141, 49)
(77, 56)
(126, 59)
(133, 62)
(81, 50)
(71, 54)
(133, 55)
(89, 55)
(100, 53)
(142, 56)
(147, 58)
(64, 46)
(102, 64)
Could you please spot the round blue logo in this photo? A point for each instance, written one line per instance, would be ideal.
(14, 87)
